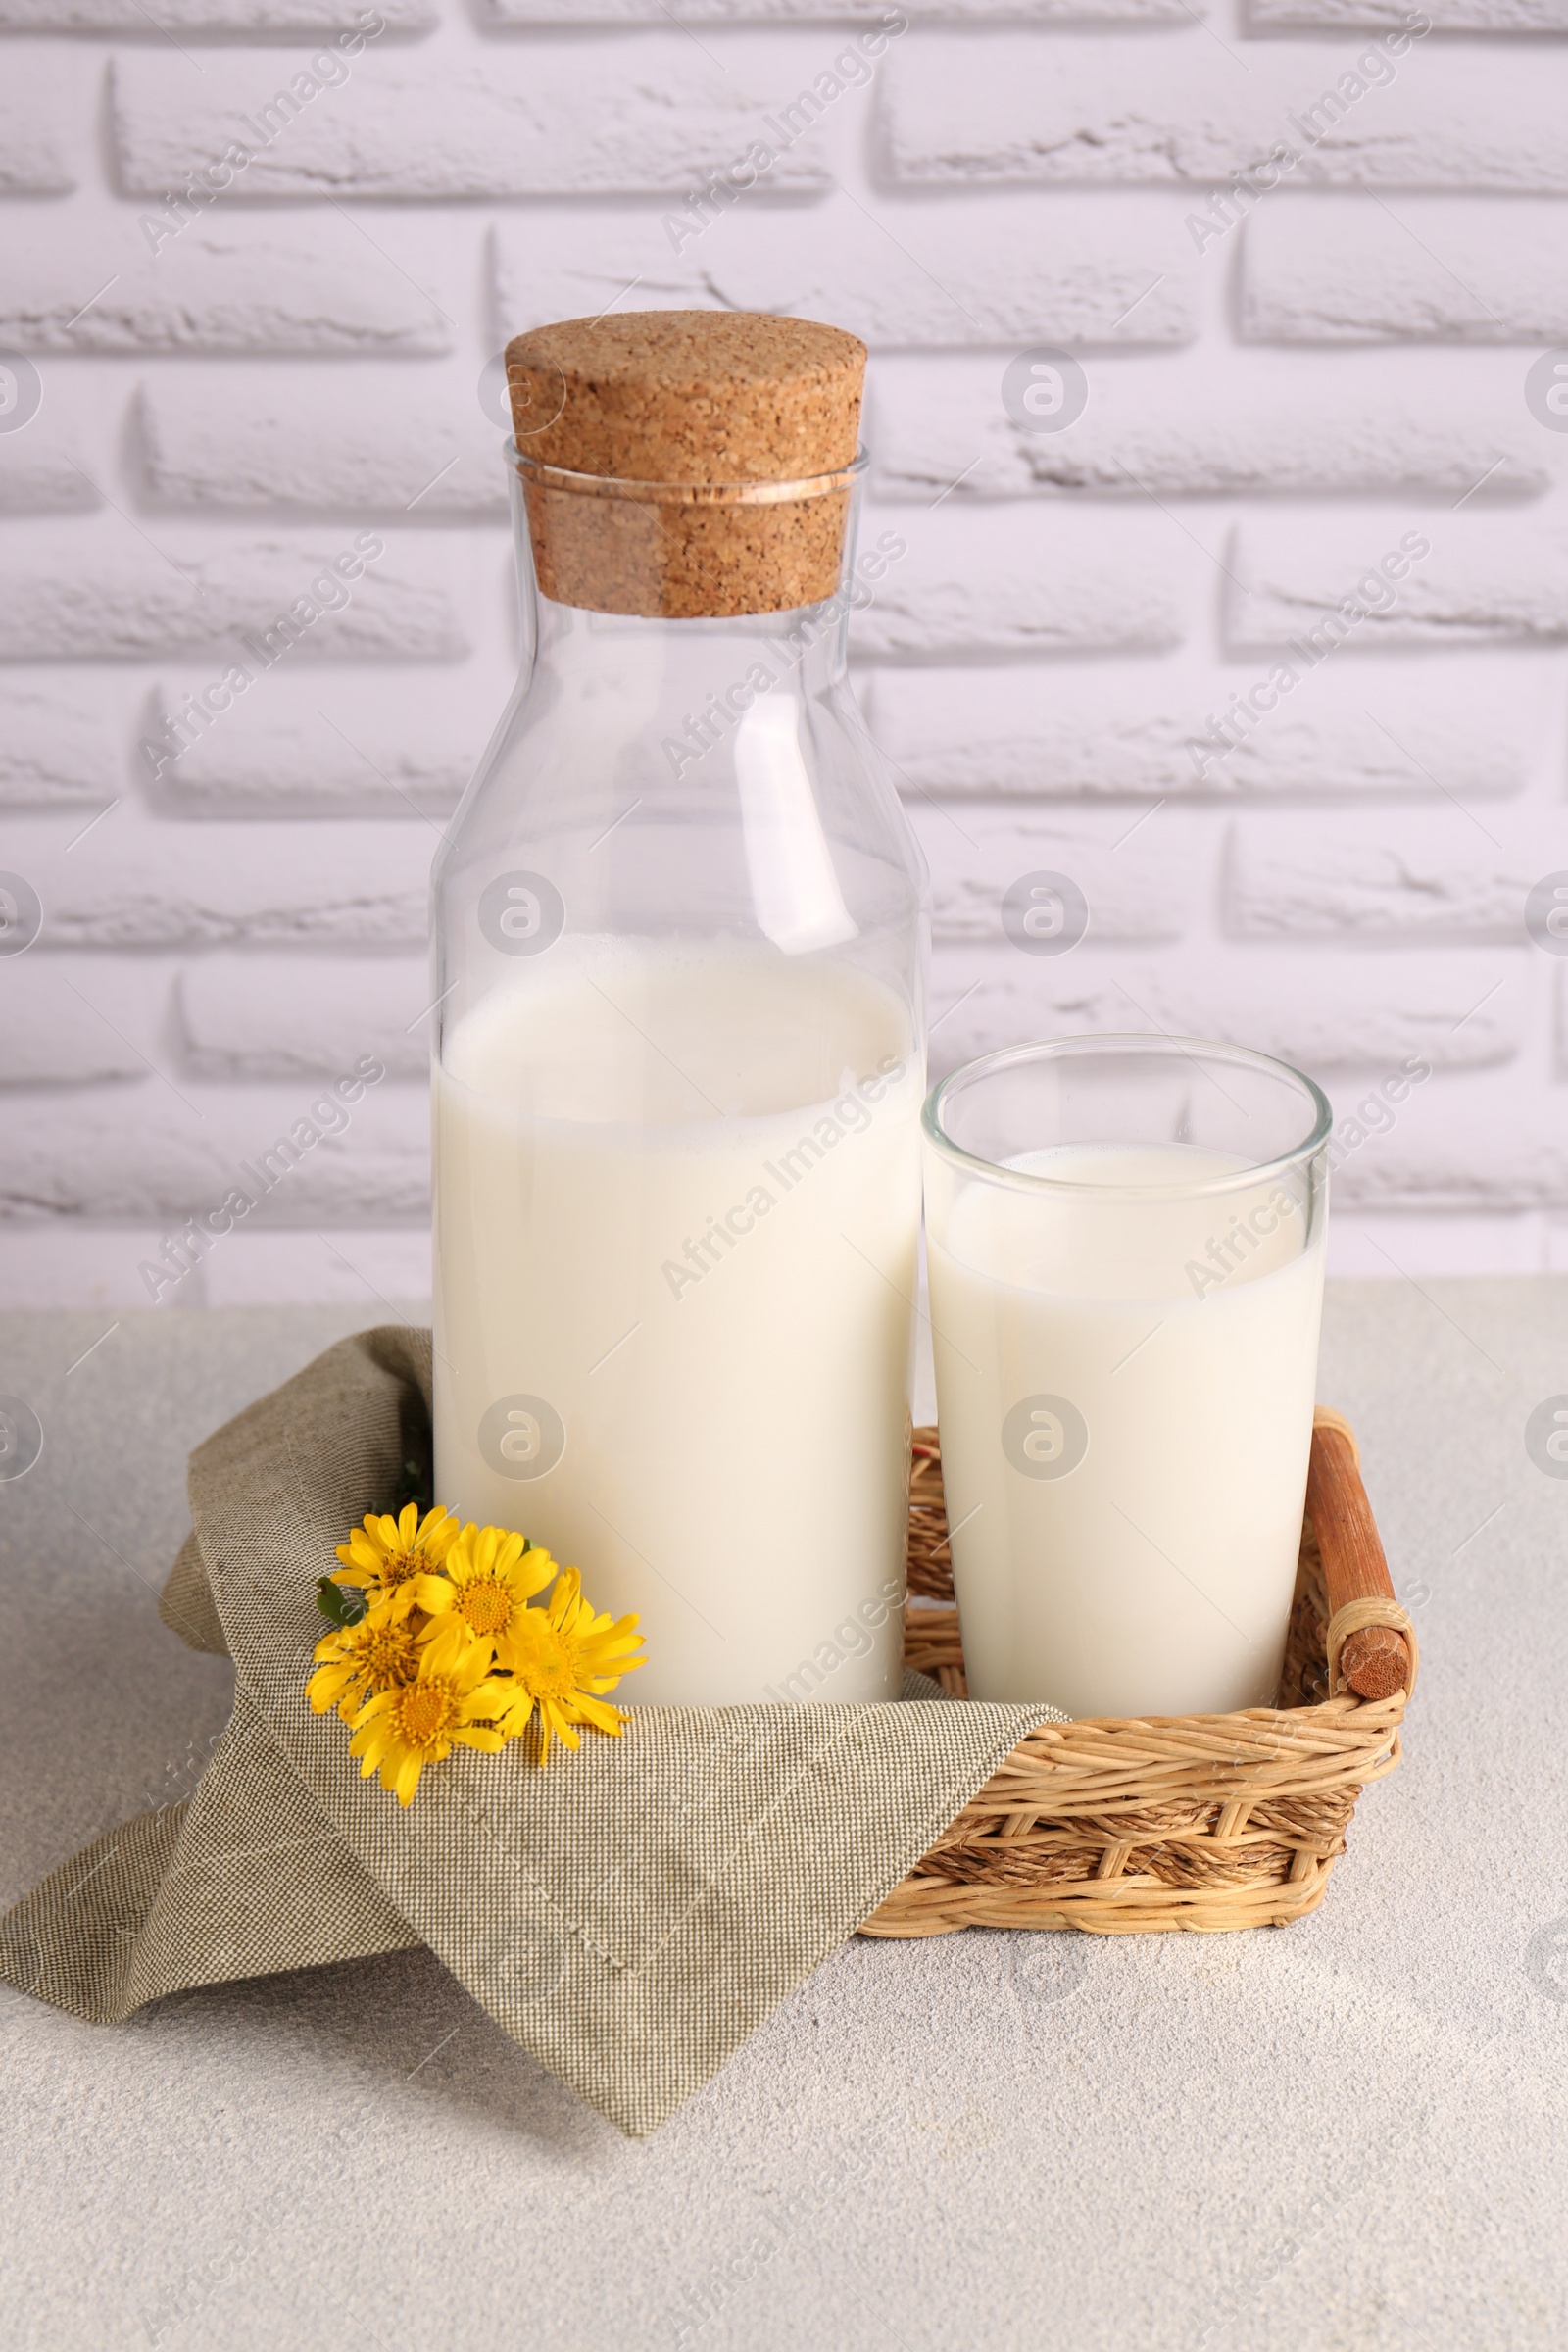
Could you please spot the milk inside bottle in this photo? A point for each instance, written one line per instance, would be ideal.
(677, 1216)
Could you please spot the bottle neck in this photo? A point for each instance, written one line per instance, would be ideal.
(716, 668)
(704, 671)
(694, 778)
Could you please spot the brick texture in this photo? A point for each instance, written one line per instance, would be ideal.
(121, 596)
(1446, 876)
(244, 17)
(824, 11)
(1361, 1015)
(36, 125)
(132, 883)
(1130, 732)
(331, 744)
(68, 1019)
(1162, 426)
(55, 751)
(1085, 111)
(368, 1269)
(228, 285)
(1160, 652)
(41, 472)
(1351, 270)
(1444, 16)
(88, 1154)
(310, 444)
(966, 585)
(895, 274)
(1482, 582)
(240, 1017)
(629, 119)
(1475, 1148)
(975, 861)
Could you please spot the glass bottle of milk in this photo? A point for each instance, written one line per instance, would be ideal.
(680, 928)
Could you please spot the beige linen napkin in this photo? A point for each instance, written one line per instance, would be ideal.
(629, 1914)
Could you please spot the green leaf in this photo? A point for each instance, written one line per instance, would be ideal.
(344, 1604)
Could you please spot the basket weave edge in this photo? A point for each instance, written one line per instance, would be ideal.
(1253, 1806)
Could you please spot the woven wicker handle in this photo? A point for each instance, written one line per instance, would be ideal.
(1373, 1636)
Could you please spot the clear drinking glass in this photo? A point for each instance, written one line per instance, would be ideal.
(680, 926)
(1125, 1243)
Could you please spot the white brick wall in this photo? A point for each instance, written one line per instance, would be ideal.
(233, 284)
(626, 118)
(1348, 269)
(42, 118)
(1285, 384)
(975, 274)
(1066, 112)
(1269, 424)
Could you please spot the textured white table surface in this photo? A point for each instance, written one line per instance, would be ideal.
(1346, 2134)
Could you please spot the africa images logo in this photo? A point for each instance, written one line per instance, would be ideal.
(522, 1436)
(1045, 1437)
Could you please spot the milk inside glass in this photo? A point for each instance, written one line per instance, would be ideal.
(677, 1202)
(1125, 1390)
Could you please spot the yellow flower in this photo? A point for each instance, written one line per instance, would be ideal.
(487, 1580)
(565, 1657)
(359, 1661)
(402, 1729)
(388, 1556)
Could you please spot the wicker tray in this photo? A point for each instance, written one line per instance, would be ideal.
(1207, 1821)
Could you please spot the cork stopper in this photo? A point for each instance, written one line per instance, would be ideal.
(686, 464)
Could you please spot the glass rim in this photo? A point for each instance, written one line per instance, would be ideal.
(1128, 1042)
(759, 493)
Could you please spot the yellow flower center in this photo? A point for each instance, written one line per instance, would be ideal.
(546, 1660)
(388, 1656)
(426, 1712)
(485, 1606)
(399, 1566)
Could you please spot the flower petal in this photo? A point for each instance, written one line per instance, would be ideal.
(482, 1736)
(376, 1707)
(438, 1532)
(447, 1644)
(516, 1714)
(602, 1718)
